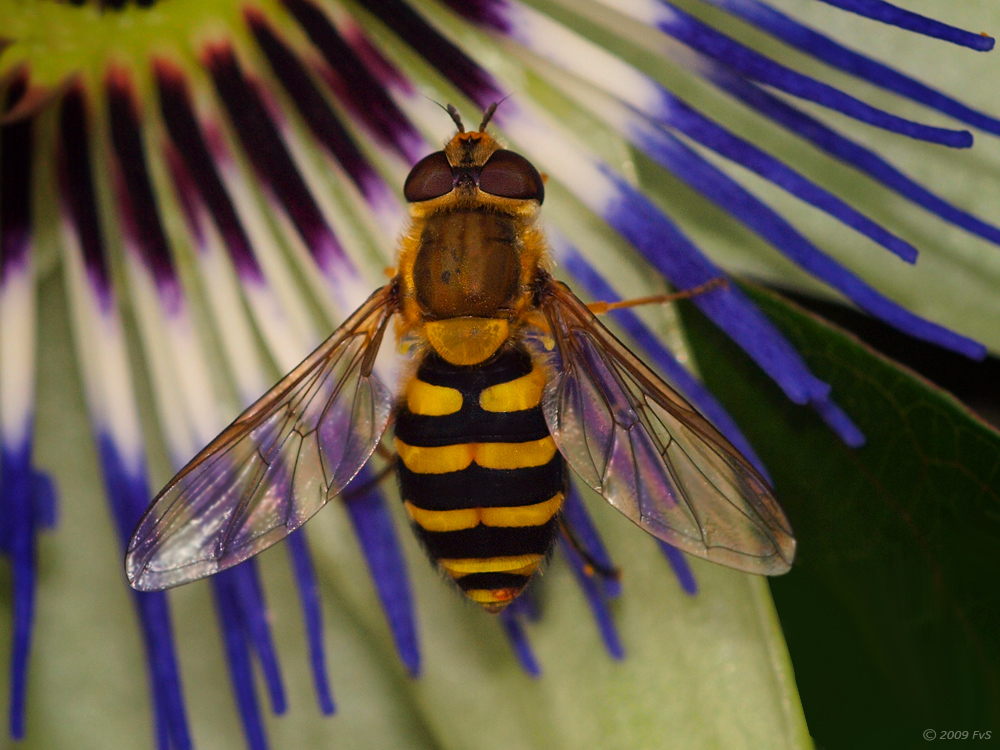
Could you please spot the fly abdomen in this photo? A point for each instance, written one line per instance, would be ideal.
(480, 475)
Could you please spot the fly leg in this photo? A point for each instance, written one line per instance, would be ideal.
(600, 308)
(591, 566)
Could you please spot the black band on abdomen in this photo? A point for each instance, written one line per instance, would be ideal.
(509, 363)
(489, 541)
(492, 581)
(471, 425)
(476, 487)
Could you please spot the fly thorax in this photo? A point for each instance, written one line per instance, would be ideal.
(467, 276)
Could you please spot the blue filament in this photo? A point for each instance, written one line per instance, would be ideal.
(305, 577)
(377, 534)
(519, 641)
(861, 66)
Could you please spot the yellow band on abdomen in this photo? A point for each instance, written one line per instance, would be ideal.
(515, 395)
(522, 515)
(443, 520)
(467, 518)
(438, 460)
(515, 455)
(432, 400)
(488, 597)
(522, 564)
(447, 458)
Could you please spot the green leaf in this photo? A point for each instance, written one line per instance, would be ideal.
(890, 611)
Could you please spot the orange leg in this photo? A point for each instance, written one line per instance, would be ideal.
(600, 308)
(591, 566)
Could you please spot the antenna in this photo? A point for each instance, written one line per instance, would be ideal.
(488, 114)
(451, 110)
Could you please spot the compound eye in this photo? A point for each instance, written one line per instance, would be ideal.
(430, 177)
(509, 175)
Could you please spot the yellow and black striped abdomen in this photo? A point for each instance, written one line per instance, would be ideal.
(479, 473)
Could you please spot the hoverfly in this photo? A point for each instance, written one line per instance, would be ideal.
(515, 380)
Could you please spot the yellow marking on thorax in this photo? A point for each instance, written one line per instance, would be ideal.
(466, 341)
(516, 395)
(447, 458)
(515, 455)
(467, 518)
(522, 564)
(432, 400)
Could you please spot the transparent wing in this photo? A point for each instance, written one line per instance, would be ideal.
(275, 466)
(637, 442)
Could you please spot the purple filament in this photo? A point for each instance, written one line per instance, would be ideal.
(676, 113)
(359, 88)
(267, 152)
(680, 115)
(377, 535)
(312, 614)
(76, 188)
(861, 66)
(679, 564)
(17, 541)
(448, 59)
(189, 141)
(578, 519)
(514, 631)
(847, 151)
(755, 214)
(238, 659)
(249, 600)
(314, 108)
(137, 201)
(19, 517)
(525, 606)
(128, 495)
(16, 142)
(596, 599)
(740, 58)
(904, 19)
(673, 254)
